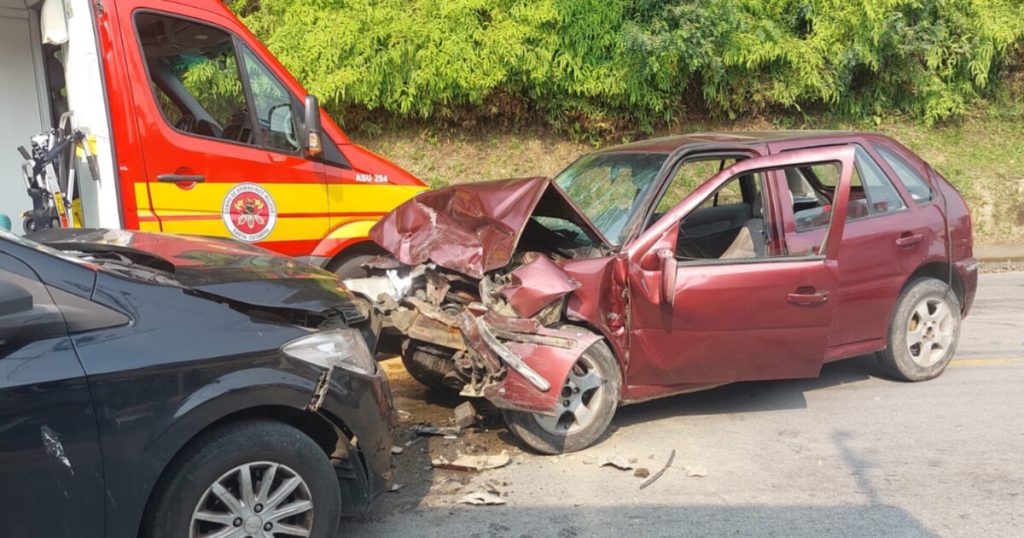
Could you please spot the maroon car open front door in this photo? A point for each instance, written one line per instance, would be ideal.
(766, 314)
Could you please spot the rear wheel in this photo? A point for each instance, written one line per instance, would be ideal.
(256, 479)
(586, 405)
(924, 331)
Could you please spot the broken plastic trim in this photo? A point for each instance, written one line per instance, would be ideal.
(390, 284)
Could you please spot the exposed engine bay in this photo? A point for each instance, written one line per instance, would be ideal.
(502, 332)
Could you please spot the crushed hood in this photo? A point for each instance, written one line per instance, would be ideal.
(230, 269)
(472, 228)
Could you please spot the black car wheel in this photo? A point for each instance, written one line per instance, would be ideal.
(923, 332)
(258, 479)
(585, 407)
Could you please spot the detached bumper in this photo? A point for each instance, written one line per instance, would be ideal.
(362, 404)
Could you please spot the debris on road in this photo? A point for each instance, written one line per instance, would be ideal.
(658, 474)
(619, 463)
(696, 471)
(473, 463)
(396, 450)
(481, 498)
(430, 429)
(465, 415)
(395, 487)
(642, 472)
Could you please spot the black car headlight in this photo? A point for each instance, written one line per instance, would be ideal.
(339, 348)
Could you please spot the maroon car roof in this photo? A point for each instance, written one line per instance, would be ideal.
(668, 144)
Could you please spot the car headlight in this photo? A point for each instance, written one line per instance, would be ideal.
(341, 348)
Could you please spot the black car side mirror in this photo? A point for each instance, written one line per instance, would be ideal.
(311, 139)
(14, 299)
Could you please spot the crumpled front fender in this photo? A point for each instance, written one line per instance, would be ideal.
(552, 363)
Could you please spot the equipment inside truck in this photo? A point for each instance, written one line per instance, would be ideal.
(43, 45)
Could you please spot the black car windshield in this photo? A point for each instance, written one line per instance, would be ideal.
(610, 187)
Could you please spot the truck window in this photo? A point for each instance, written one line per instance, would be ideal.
(274, 106)
(194, 69)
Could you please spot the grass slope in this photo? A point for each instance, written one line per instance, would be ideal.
(982, 154)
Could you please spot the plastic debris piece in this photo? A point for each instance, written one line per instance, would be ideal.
(481, 498)
(395, 487)
(473, 463)
(396, 450)
(696, 470)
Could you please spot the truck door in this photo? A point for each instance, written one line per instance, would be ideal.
(223, 153)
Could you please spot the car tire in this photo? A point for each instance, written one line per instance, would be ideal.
(427, 366)
(351, 266)
(923, 332)
(564, 433)
(186, 488)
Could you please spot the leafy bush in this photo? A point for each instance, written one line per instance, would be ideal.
(609, 65)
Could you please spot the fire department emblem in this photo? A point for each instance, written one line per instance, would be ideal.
(249, 212)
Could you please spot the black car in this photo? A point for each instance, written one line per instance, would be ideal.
(161, 385)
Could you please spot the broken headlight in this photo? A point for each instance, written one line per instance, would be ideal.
(341, 348)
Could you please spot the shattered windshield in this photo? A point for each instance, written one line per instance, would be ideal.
(609, 187)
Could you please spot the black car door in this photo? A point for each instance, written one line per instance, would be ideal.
(51, 476)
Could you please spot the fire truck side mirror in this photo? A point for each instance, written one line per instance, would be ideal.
(312, 142)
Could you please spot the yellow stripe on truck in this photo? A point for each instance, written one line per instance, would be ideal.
(289, 229)
(369, 198)
(207, 198)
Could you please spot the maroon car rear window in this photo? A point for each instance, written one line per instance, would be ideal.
(908, 176)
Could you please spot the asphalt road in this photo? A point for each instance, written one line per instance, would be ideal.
(851, 453)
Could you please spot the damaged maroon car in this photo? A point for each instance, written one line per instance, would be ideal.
(673, 265)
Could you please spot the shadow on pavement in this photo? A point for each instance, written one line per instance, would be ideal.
(751, 396)
(650, 520)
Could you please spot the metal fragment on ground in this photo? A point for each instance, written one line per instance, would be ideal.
(430, 429)
(473, 463)
(658, 474)
(481, 498)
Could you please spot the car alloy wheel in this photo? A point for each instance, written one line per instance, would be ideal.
(582, 394)
(260, 500)
(930, 331)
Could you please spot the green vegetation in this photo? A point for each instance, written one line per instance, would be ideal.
(461, 90)
(596, 67)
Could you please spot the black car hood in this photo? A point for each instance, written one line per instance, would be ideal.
(222, 267)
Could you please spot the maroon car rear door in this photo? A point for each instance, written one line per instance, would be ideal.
(762, 317)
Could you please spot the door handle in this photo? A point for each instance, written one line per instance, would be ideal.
(907, 240)
(808, 298)
(178, 178)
